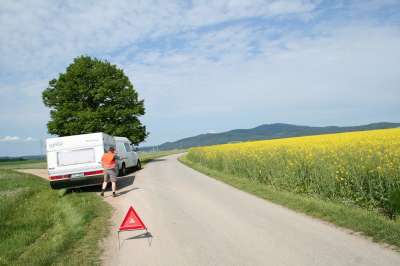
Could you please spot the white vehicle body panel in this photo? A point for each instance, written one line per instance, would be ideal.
(125, 153)
(75, 154)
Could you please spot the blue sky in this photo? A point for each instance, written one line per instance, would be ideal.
(207, 66)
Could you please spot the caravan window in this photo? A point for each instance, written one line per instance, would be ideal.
(65, 158)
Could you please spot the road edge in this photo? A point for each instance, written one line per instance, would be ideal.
(361, 222)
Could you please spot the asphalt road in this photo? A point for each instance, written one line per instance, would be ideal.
(196, 220)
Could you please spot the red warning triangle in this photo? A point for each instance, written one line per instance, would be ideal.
(132, 221)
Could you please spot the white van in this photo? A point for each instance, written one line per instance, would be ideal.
(75, 161)
(127, 155)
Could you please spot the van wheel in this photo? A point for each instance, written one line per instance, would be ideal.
(138, 165)
(122, 172)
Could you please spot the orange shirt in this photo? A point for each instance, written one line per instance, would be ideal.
(108, 160)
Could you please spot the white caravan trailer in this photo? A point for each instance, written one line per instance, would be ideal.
(75, 161)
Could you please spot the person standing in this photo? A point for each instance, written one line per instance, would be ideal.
(108, 161)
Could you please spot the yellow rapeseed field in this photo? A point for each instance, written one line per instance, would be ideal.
(360, 168)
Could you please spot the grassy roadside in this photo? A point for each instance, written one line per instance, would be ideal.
(369, 223)
(39, 227)
(28, 164)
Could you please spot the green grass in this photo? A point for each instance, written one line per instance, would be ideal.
(146, 157)
(40, 226)
(28, 164)
(369, 223)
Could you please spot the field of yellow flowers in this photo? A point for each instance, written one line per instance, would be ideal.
(358, 168)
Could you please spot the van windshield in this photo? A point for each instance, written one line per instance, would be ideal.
(65, 158)
(127, 147)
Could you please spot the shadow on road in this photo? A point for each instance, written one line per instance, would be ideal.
(149, 161)
(122, 182)
(147, 235)
(125, 181)
(143, 235)
(156, 160)
(119, 193)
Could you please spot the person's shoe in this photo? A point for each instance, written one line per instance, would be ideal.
(114, 195)
(102, 193)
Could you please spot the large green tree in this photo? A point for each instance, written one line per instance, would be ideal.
(94, 96)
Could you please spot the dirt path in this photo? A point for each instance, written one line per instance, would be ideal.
(196, 220)
(38, 172)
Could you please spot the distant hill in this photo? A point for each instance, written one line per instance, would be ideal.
(263, 132)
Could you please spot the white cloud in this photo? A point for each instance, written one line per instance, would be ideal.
(343, 60)
(365, 5)
(9, 138)
(16, 139)
(44, 36)
(208, 12)
(22, 106)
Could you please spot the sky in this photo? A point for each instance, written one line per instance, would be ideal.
(206, 66)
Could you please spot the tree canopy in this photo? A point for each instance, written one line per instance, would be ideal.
(94, 96)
